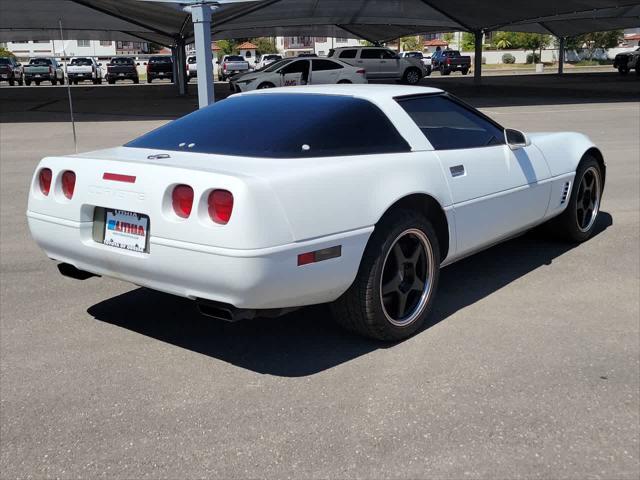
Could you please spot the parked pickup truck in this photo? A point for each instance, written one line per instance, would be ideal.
(84, 68)
(627, 61)
(122, 68)
(10, 71)
(231, 65)
(42, 69)
(160, 67)
(447, 61)
(192, 67)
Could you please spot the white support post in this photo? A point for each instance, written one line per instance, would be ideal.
(201, 16)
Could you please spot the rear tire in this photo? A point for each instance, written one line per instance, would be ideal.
(412, 76)
(149, 80)
(578, 221)
(395, 287)
(37, 83)
(465, 71)
(266, 85)
(54, 81)
(20, 81)
(623, 70)
(11, 83)
(136, 80)
(445, 72)
(344, 82)
(27, 82)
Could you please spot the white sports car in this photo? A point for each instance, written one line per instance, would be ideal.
(276, 199)
(299, 71)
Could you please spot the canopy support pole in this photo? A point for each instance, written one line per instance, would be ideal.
(180, 61)
(201, 16)
(477, 62)
(561, 47)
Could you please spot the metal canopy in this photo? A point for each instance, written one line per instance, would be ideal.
(379, 20)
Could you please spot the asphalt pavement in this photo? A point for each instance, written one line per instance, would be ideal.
(529, 368)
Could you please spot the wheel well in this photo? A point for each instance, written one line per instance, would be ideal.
(597, 154)
(432, 210)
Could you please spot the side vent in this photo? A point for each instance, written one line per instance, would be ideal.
(565, 193)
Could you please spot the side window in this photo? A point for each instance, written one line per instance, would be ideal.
(348, 54)
(388, 55)
(301, 66)
(449, 125)
(320, 65)
(371, 53)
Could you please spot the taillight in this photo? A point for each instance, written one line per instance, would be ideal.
(182, 200)
(220, 206)
(68, 183)
(448, 61)
(224, 67)
(50, 69)
(362, 72)
(45, 180)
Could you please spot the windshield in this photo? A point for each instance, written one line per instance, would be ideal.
(280, 125)
(276, 65)
(81, 61)
(234, 58)
(122, 61)
(40, 61)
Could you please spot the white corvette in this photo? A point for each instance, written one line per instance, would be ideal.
(274, 199)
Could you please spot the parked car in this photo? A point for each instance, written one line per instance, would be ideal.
(160, 66)
(11, 71)
(192, 67)
(425, 59)
(231, 65)
(381, 63)
(299, 71)
(122, 68)
(42, 69)
(275, 199)
(627, 61)
(268, 59)
(84, 68)
(447, 61)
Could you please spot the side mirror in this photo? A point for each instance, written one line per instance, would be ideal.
(516, 139)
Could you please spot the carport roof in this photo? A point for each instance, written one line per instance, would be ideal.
(369, 19)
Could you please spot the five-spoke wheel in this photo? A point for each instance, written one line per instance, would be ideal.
(588, 199)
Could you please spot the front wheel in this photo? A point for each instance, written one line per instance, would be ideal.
(578, 221)
(395, 287)
(266, 85)
(20, 81)
(445, 72)
(344, 82)
(54, 81)
(465, 71)
(136, 80)
(12, 83)
(27, 82)
(412, 76)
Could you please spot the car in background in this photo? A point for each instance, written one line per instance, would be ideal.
(425, 59)
(272, 200)
(307, 55)
(627, 61)
(160, 66)
(11, 71)
(299, 71)
(192, 67)
(447, 61)
(84, 68)
(122, 68)
(43, 69)
(268, 59)
(381, 63)
(231, 65)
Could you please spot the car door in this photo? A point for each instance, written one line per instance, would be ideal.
(295, 73)
(496, 192)
(324, 71)
(389, 64)
(371, 60)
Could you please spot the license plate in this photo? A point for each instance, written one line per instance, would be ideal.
(126, 230)
(37, 75)
(121, 74)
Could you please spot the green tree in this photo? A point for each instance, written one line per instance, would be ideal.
(448, 37)
(596, 40)
(532, 41)
(410, 43)
(227, 47)
(264, 45)
(154, 47)
(504, 40)
(6, 53)
(468, 42)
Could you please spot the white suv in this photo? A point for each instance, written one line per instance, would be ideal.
(382, 63)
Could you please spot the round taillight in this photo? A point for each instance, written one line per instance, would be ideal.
(45, 180)
(182, 200)
(68, 183)
(220, 206)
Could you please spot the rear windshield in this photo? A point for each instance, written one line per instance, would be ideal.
(414, 55)
(122, 61)
(81, 61)
(5, 61)
(160, 60)
(234, 58)
(272, 57)
(280, 125)
(40, 61)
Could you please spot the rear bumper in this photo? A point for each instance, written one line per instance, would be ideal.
(249, 279)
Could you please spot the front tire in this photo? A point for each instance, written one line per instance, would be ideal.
(266, 85)
(623, 70)
(395, 287)
(136, 80)
(577, 223)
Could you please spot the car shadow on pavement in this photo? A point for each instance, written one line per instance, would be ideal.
(307, 341)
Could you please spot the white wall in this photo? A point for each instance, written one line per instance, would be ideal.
(548, 55)
(55, 48)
